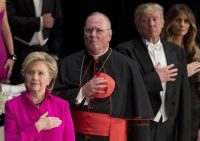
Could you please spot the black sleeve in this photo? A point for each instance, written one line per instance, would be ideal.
(18, 19)
(184, 114)
(66, 87)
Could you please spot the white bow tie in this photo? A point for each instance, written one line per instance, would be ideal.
(154, 47)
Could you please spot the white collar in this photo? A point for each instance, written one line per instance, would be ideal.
(97, 56)
(152, 46)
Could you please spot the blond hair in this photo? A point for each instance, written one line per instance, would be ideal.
(147, 7)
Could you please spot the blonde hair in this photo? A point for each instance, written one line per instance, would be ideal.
(147, 7)
(50, 62)
(189, 39)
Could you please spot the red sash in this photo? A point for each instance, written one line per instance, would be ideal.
(100, 124)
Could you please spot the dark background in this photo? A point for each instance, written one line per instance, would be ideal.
(120, 13)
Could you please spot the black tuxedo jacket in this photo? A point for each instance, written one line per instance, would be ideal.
(23, 21)
(177, 92)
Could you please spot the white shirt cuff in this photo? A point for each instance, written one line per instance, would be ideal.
(80, 97)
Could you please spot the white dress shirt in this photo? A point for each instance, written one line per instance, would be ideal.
(157, 55)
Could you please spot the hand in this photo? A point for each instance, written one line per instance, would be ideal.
(45, 123)
(48, 20)
(2, 5)
(95, 85)
(9, 65)
(193, 68)
(167, 73)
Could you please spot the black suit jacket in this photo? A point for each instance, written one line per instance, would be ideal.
(177, 93)
(23, 21)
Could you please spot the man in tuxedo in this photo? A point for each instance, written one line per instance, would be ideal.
(36, 26)
(163, 67)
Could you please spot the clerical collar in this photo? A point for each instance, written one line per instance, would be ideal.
(97, 56)
(102, 56)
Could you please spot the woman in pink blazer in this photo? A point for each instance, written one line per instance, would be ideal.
(37, 115)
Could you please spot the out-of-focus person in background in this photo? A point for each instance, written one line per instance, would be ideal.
(37, 114)
(7, 57)
(36, 25)
(180, 28)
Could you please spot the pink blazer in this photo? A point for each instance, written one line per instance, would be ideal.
(21, 115)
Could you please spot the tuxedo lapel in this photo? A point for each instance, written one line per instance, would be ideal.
(30, 7)
(147, 66)
(48, 7)
(171, 58)
(44, 6)
(143, 56)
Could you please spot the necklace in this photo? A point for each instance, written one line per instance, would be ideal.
(82, 63)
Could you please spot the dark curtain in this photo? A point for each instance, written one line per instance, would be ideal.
(120, 13)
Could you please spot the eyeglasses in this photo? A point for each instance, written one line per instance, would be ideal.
(98, 31)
